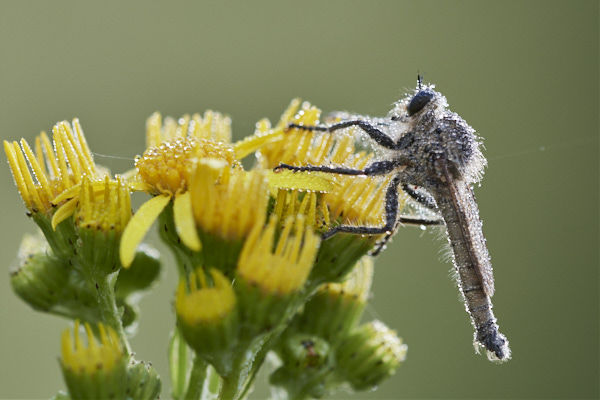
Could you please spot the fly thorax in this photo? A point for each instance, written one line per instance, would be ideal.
(461, 147)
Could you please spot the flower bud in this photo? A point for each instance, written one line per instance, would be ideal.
(337, 307)
(271, 276)
(369, 355)
(208, 317)
(143, 381)
(97, 371)
(39, 278)
(307, 361)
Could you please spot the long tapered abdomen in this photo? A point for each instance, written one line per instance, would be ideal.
(456, 202)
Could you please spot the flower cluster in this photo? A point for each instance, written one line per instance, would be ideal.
(255, 278)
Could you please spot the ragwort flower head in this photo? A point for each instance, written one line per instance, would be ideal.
(53, 168)
(165, 170)
(173, 147)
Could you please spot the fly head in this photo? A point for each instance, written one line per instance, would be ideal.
(432, 133)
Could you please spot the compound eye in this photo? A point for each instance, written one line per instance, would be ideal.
(419, 101)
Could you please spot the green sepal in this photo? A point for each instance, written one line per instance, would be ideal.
(214, 342)
(50, 284)
(101, 384)
(220, 253)
(187, 259)
(98, 250)
(330, 315)
(262, 312)
(63, 239)
(143, 382)
(337, 256)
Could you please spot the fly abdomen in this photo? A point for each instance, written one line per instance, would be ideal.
(479, 307)
(456, 203)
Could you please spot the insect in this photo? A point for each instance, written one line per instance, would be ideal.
(435, 157)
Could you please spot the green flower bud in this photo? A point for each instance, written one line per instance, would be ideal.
(208, 317)
(307, 362)
(104, 208)
(97, 371)
(369, 355)
(39, 278)
(337, 307)
(338, 255)
(143, 383)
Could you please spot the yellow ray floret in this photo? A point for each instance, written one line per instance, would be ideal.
(98, 355)
(294, 146)
(226, 201)
(104, 203)
(108, 210)
(282, 270)
(53, 168)
(201, 303)
(184, 221)
(264, 134)
(138, 226)
(357, 285)
(213, 126)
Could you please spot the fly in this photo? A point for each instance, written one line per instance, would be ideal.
(435, 157)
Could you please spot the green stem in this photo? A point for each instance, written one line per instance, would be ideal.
(103, 286)
(197, 380)
(235, 384)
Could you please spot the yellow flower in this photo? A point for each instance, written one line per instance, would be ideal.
(352, 200)
(281, 270)
(56, 166)
(165, 167)
(272, 273)
(203, 304)
(102, 212)
(105, 354)
(227, 202)
(109, 209)
(95, 371)
(207, 317)
(192, 163)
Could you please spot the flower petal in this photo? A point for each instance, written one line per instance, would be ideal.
(184, 221)
(314, 181)
(64, 212)
(139, 225)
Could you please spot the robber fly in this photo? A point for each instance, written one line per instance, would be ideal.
(435, 157)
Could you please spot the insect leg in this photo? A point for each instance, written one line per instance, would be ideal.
(391, 214)
(410, 220)
(374, 133)
(377, 168)
(421, 197)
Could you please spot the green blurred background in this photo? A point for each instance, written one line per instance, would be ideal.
(523, 73)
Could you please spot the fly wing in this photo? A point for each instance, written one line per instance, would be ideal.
(458, 207)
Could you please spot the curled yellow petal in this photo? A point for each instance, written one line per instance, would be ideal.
(139, 225)
(64, 212)
(314, 181)
(184, 221)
